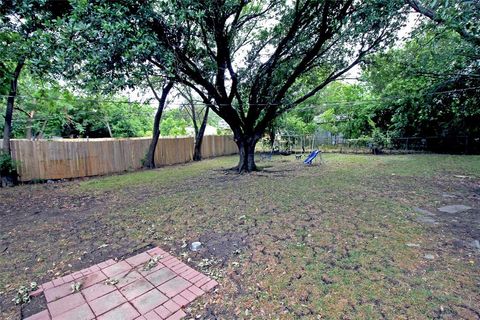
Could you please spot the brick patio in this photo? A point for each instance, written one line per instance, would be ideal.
(155, 294)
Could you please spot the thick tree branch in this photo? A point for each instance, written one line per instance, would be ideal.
(432, 15)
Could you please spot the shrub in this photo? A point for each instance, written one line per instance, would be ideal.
(8, 166)
(380, 140)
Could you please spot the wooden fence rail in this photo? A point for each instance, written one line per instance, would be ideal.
(73, 158)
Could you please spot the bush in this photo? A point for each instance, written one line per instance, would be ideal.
(8, 166)
(380, 140)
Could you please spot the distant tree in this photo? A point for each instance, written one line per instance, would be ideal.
(428, 88)
(45, 109)
(161, 97)
(173, 126)
(198, 116)
(347, 109)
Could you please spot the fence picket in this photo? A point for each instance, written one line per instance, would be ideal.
(74, 158)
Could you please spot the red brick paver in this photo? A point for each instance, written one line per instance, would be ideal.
(149, 301)
(136, 289)
(161, 276)
(126, 290)
(124, 312)
(116, 268)
(82, 312)
(97, 290)
(58, 292)
(177, 315)
(107, 302)
(65, 304)
(163, 312)
(139, 259)
(173, 287)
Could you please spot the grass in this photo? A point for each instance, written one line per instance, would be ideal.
(319, 242)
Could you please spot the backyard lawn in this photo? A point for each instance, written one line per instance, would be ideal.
(358, 237)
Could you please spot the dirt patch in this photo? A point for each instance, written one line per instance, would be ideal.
(222, 246)
(36, 305)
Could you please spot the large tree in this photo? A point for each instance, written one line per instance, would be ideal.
(246, 55)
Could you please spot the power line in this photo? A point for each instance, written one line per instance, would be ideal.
(73, 100)
(384, 99)
(348, 102)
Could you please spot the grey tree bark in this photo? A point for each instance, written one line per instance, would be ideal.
(7, 130)
(150, 157)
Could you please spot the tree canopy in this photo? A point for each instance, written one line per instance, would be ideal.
(248, 56)
(45, 109)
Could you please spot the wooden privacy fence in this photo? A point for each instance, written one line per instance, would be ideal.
(73, 158)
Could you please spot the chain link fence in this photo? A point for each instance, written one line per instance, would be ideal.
(294, 144)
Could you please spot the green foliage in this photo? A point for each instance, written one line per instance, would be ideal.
(425, 88)
(75, 287)
(463, 17)
(347, 109)
(123, 118)
(173, 124)
(46, 109)
(8, 166)
(224, 132)
(379, 139)
(23, 293)
(25, 27)
(294, 124)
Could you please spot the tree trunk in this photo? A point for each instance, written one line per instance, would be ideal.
(246, 151)
(7, 131)
(28, 130)
(271, 134)
(40, 135)
(108, 128)
(150, 157)
(197, 153)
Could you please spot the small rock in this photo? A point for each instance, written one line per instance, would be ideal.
(449, 195)
(460, 176)
(456, 208)
(429, 256)
(195, 246)
(423, 211)
(426, 220)
(476, 244)
(413, 245)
